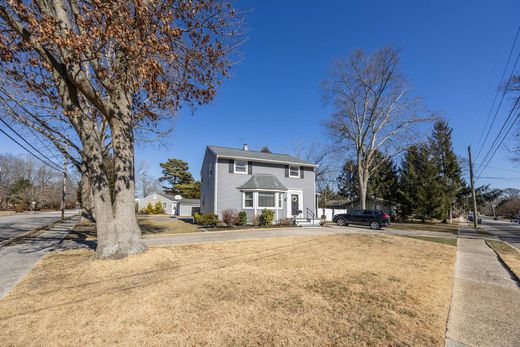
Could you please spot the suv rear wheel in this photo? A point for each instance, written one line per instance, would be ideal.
(341, 221)
(375, 225)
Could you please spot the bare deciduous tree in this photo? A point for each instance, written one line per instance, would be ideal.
(146, 184)
(111, 66)
(374, 110)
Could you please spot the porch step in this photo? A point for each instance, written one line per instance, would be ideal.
(304, 222)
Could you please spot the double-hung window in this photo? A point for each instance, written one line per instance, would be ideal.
(248, 199)
(294, 171)
(266, 200)
(241, 166)
(280, 200)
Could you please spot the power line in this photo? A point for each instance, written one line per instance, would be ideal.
(499, 104)
(52, 164)
(503, 138)
(28, 151)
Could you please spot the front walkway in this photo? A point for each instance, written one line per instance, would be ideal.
(18, 259)
(485, 307)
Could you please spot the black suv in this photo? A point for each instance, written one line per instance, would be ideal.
(373, 218)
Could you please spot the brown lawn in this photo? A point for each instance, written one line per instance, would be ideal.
(428, 226)
(509, 255)
(150, 225)
(329, 290)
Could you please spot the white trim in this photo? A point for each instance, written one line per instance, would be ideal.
(216, 181)
(261, 190)
(299, 171)
(289, 202)
(239, 172)
(264, 160)
(244, 201)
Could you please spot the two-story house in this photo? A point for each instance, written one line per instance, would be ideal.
(251, 181)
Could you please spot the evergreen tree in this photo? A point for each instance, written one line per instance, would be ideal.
(265, 149)
(348, 185)
(419, 184)
(176, 173)
(327, 194)
(442, 156)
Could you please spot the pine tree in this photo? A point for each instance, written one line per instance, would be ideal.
(442, 155)
(176, 173)
(419, 193)
(348, 185)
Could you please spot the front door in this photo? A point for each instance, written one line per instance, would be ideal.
(294, 203)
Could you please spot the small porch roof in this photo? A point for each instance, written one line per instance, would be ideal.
(263, 182)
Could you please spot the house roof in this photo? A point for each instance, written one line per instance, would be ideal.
(191, 202)
(236, 153)
(263, 182)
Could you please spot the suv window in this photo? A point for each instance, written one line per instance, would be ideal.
(356, 212)
(368, 212)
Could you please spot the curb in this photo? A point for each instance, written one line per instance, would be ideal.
(33, 231)
(502, 261)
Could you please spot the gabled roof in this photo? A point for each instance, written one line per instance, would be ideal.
(191, 202)
(236, 153)
(263, 182)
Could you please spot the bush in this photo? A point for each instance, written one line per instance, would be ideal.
(230, 217)
(285, 221)
(197, 218)
(267, 217)
(207, 219)
(242, 218)
(256, 221)
(158, 208)
(20, 207)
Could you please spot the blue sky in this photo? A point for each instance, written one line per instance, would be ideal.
(453, 53)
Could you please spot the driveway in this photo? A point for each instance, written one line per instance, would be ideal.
(502, 230)
(19, 223)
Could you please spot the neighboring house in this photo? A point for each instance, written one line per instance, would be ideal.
(182, 207)
(251, 181)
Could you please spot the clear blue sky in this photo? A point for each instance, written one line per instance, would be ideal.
(453, 52)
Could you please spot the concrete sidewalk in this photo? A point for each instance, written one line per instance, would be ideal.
(18, 259)
(485, 307)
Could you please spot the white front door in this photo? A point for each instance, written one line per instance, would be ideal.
(295, 203)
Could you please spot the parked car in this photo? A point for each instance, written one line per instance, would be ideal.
(375, 219)
(514, 220)
(470, 219)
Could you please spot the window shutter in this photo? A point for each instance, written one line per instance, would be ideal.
(231, 166)
(249, 168)
(286, 170)
(301, 171)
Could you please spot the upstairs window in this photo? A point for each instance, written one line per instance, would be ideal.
(241, 166)
(210, 169)
(294, 171)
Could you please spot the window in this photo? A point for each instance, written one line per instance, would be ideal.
(241, 166)
(266, 200)
(164, 206)
(248, 200)
(368, 212)
(210, 169)
(294, 171)
(280, 200)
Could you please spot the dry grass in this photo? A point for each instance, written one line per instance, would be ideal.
(429, 226)
(330, 290)
(509, 255)
(150, 225)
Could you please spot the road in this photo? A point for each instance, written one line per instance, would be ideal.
(504, 230)
(19, 223)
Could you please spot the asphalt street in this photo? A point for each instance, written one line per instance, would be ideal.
(19, 223)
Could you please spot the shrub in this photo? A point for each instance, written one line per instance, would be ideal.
(20, 207)
(256, 221)
(197, 218)
(242, 218)
(230, 217)
(158, 208)
(267, 217)
(207, 219)
(323, 219)
(285, 221)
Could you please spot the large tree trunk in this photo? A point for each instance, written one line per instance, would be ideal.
(129, 233)
(363, 185)
(85, 186)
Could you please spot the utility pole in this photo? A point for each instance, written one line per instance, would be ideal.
(64, 191)
(475, 216)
